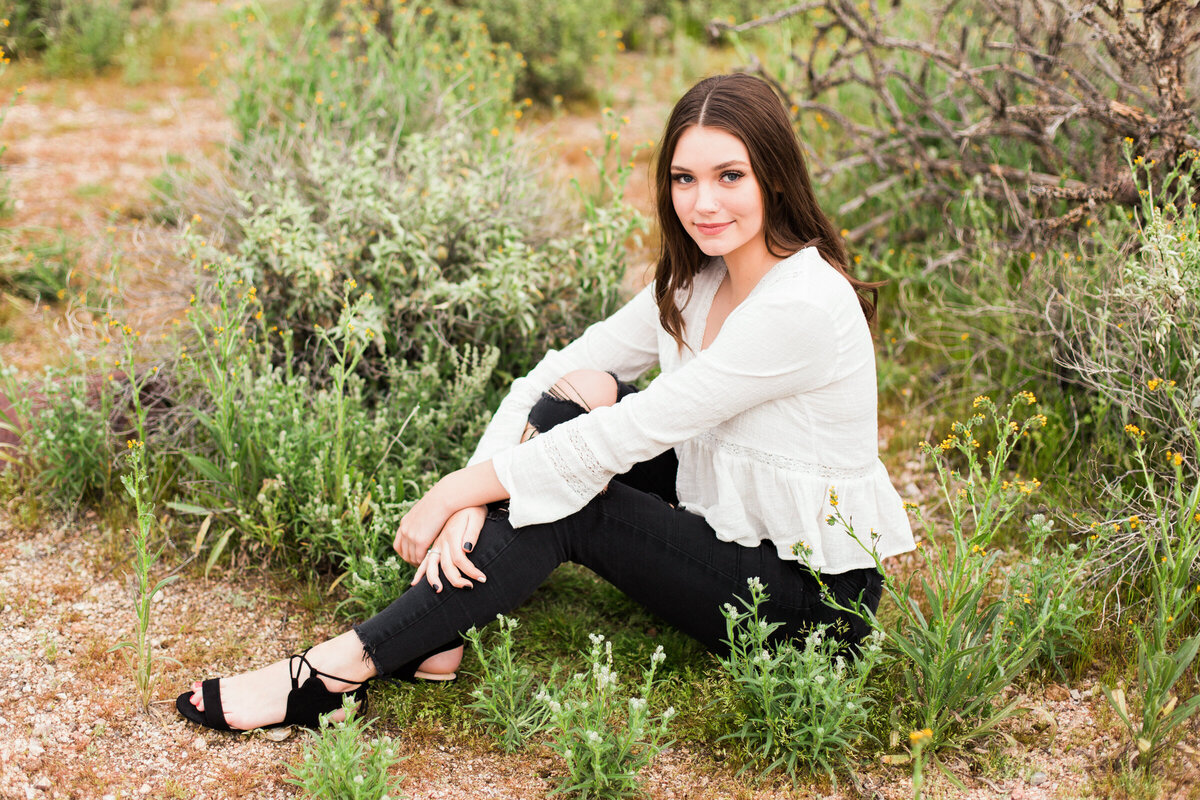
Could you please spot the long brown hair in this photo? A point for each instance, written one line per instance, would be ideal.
(749, 109)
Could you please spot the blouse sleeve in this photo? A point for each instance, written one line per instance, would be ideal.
(773, 345)
(624, 343)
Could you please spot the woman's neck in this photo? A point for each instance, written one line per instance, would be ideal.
(746, 268)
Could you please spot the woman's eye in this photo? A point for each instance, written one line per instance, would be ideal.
(731, 176)
(682, 179)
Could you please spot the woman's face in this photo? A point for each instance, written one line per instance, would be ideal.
(716, 195)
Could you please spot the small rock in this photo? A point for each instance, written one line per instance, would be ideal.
(41, 729)
(1037, 778)
(1075, 695)
(1056, 692)
(1017, 794)
(35, 748)
(145, 789)
(109, 797)
(42, 784)
(199, 744)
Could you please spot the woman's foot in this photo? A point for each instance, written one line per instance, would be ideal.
(259, 698)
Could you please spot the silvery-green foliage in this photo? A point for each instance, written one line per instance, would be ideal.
(606, 735)
(799, 706)
(505, 694)
(339, 763)
(456, 242)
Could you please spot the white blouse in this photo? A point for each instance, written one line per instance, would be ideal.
(775, 415)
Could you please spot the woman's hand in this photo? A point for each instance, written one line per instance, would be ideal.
(420, 526)
(448, 555)
(471, 487)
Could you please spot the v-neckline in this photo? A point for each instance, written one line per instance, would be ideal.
(706, 310)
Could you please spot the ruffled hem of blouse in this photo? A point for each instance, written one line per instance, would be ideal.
(797, 508)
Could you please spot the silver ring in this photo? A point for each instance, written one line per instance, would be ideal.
(433, 551)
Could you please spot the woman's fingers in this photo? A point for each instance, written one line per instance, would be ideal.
(430, 565)
(451, 571)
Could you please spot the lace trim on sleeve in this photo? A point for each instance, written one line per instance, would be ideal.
(784, 462)
(563, 467)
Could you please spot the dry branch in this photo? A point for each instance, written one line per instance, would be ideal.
(1032, 100)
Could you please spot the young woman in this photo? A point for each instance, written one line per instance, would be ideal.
(725, 468)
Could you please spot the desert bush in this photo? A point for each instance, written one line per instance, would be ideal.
(798, 706)
(504, 697)
(1165, 599)
(1047, 590)
(66, 451)
(84, 36)
(558, 41)
(1012, 96)
(604, 735)
(294, 455)
(453, 241)
(338, 763)
(1130, 329)
(383, 68)
(951, 640)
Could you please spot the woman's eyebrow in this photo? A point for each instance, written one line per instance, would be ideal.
(717, 168)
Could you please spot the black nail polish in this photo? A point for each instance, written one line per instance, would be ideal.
(437, 587)
(468, 547)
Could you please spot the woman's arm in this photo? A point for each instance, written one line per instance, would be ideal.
(625, 343)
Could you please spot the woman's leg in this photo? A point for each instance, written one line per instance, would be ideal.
(667, 559)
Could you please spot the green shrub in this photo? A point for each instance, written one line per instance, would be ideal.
(798, 707)
(66, 447)
(950, 639)
(558, 40)
(1166, 597)
(505, 694)
(26, 28)
(84, 36)
(606, 737)
(1047, 590)
(383, 68)
(449, 238)
(297, 458)
(337, 762)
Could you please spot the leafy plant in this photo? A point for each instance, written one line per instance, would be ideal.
(505, 694)
(61, 422)
(144, 560)
(367, 69)
(1167, 643)
(800, 706)
(605, 746)
(951, 639)
(1053, 578)
(338, 763)
(84, 36)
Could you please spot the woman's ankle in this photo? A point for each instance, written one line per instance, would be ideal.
(343, 662)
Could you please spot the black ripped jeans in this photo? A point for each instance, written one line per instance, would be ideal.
(665, 558)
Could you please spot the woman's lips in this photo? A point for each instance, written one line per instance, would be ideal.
(712, 229)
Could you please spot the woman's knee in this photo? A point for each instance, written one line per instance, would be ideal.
(587, 388)
(573, 394)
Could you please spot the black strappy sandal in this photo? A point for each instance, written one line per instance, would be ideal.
(306, 703)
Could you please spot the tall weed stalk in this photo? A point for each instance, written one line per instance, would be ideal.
(145, 558)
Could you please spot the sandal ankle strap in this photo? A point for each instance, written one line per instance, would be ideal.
(304, 662)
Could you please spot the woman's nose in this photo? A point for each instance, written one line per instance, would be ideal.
(706, 199)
